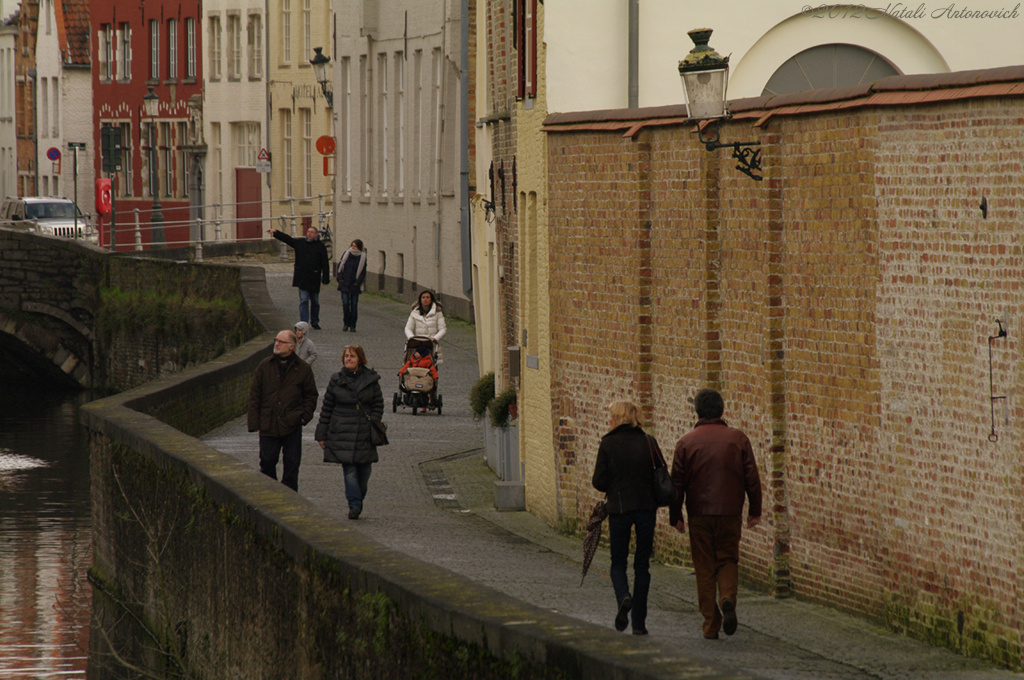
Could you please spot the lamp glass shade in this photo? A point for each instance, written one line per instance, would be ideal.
(705, 93)
(320, 71)
(152, 103)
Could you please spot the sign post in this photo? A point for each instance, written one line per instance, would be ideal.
(263, 162)
(75, 146)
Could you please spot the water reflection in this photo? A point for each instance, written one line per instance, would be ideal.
(45, 537)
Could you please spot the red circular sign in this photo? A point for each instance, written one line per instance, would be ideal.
(325, 145)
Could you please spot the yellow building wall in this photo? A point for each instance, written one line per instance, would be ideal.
(536, 417)
(292, 86)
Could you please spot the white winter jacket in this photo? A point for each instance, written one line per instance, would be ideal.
(429, 325)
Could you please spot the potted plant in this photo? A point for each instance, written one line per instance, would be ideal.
(501, 408)
(481, 395)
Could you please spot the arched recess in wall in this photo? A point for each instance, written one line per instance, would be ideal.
(827, 66)
(899, 44)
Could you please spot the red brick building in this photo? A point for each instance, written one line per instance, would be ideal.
(846, 307)
(137, 47)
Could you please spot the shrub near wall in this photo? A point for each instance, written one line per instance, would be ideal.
(843, 306)
(156, 318)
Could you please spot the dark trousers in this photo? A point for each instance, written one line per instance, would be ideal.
(272, 447)
(309, 306)
(715, 548)
(356, 477)
(350, 307)
(619, 527)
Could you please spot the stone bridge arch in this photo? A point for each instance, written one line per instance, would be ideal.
(45, 342)
(48, 299)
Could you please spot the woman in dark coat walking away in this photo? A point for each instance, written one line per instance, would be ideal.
(625, 473)
(352, 399)
(351, 275)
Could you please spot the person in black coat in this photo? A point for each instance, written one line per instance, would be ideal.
(312, 266)
(351, 275)
(352, 399)
(624, 471)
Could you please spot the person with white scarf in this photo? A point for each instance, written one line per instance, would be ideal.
(351, 275)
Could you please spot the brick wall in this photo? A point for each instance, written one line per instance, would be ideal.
(843, 307)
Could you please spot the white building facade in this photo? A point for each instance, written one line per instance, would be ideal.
(397, 84)
(64, 105)
(8, 110)
(234, 118)
(809, 45)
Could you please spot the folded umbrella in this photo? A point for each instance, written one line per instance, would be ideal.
(593, 536)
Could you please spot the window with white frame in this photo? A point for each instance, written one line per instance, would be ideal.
(167, 159)
(286, 31)
(154, 50)
(255, 46)
(365, 158)
(383, 153)
(286, 134)
(435, 111)
(217, 156)
(190, 48)
(307, 27)
(234, 46)
(345, 164)
(125, 177)
(44, 108)
(183, 157)
(55, 106)
(172, 49)
(215, 48)
(400, 121)
(124, 53)
(106, 55)
(247, 143)
(306, 116)
(417, 128)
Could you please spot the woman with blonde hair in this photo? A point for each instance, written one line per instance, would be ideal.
(624, 471)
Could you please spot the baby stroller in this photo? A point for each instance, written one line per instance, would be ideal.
(415, 386)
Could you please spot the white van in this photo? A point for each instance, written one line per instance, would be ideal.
(45, 215)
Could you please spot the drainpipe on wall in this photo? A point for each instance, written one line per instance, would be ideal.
(467, 246)
(35, 129)
(634, 53)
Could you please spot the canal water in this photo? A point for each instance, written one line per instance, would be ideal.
(45, 536)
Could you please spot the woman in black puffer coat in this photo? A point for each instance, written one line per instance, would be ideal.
(352, 399)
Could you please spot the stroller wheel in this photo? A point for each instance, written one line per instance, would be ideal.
(395, 402)
(414, 409)
(437, 402)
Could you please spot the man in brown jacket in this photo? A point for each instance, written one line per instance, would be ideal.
(282, 398)
(713, 469)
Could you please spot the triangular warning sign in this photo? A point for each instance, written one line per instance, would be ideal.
(263, 155)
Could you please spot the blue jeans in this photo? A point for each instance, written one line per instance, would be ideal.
(356, 476)
(350, 305)
(271, 449)
(309, 306)
(618, 539)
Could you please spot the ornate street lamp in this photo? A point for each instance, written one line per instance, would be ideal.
(705, 76)
(320, 62)
(156, 219)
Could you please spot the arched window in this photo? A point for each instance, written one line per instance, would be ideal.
(826, 66)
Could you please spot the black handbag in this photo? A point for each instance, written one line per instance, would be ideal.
(664, 489)
(378, 432)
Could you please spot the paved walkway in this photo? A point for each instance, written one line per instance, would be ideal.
(431, 495)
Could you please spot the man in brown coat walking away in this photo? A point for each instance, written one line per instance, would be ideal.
(282, 398)
(713, 469)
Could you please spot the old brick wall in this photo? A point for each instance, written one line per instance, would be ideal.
(843, 307)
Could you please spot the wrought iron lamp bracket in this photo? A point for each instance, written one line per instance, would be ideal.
(746, 155)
